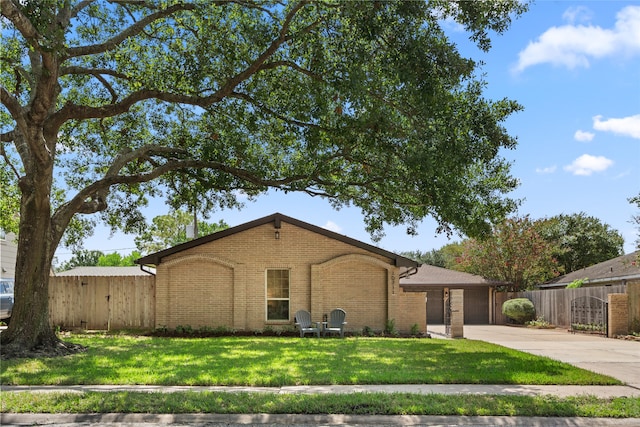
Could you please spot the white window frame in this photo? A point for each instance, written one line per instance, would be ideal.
(267, 299)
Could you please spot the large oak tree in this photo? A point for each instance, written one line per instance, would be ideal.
(364, 103)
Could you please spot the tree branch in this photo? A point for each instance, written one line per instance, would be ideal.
(7, 136)
(8, 161)
(74, 111)
(10, 11)
(131, 31)
(10, 102)
(78, 8)
(293, 65)
(97, 73)
(90, 71)
(273, 113)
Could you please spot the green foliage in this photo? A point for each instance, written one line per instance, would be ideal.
(9, 199)
(540, 323)
(520, 310)
(170, 230)
(209, 103)
(243, 97)
(577, 283)
(82, 258)
(445, 257)
(86, 257)
(516, 253)
(415, 329)
(581, 240)
(635, 219)
(116, 260)
(390, 327)
(367, 331)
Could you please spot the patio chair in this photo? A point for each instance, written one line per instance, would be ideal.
(335, 323)
(303, 322)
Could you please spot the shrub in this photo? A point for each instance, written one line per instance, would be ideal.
(390, 327)
(577, 283)
(367, 331)
(520, 310)
(540, 323)
(415, 329)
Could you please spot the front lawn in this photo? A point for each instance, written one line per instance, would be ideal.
(279, 361)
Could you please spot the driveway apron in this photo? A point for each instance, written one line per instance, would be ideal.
(613, 357)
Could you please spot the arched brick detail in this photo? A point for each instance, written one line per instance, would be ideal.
(358, 283)
(356, 257)
(201, 257)
(198, 290)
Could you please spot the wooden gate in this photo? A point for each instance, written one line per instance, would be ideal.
(102, 302)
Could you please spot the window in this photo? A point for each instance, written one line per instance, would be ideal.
(278, 295)
(3, 235)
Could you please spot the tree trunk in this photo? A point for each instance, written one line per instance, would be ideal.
(29, 332)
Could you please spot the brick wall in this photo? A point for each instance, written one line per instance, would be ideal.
(618, 322)
(457, 313)
(222, 283)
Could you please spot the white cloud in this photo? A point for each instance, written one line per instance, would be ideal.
(574, 46)
(549, 169)
(586, 165)
(332, 226)
(577, 14)
(627, 126)
(583, 136)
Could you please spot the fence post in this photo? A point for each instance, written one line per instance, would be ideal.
(457, 313)
(618, 321)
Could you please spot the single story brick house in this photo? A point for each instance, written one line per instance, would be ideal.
(479, 293)
(258, 274)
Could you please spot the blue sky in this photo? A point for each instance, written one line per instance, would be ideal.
(575, 67)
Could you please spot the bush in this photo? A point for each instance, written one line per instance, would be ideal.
(576, 283)
(520, 310)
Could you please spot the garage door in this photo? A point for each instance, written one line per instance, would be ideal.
(435, 307)
(476, 306)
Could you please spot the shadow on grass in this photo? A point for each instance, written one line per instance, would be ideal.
(277, 361)
(356, 403)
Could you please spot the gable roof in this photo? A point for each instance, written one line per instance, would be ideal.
(432, 276)
(103, 271)
(623, 267)
(276, 219)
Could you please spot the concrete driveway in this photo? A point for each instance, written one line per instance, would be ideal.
(617, 358)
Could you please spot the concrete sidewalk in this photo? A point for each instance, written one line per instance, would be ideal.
(616, 358)
(223, 420)
(462, 389)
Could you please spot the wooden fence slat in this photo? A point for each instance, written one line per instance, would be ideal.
(555, 304)
(101, 302)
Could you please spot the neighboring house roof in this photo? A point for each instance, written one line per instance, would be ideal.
(276, 219)
(432, 276)
(103, 271)
(622, 267)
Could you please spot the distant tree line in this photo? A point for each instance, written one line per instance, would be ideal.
(526, 252)
(164, 232)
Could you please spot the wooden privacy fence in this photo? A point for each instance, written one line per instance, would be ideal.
(555, 304)
(102, 302)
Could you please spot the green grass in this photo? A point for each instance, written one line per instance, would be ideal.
(273, 361)
(356, 404)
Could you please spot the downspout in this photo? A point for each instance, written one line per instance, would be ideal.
(142, 266)
(410, 272)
